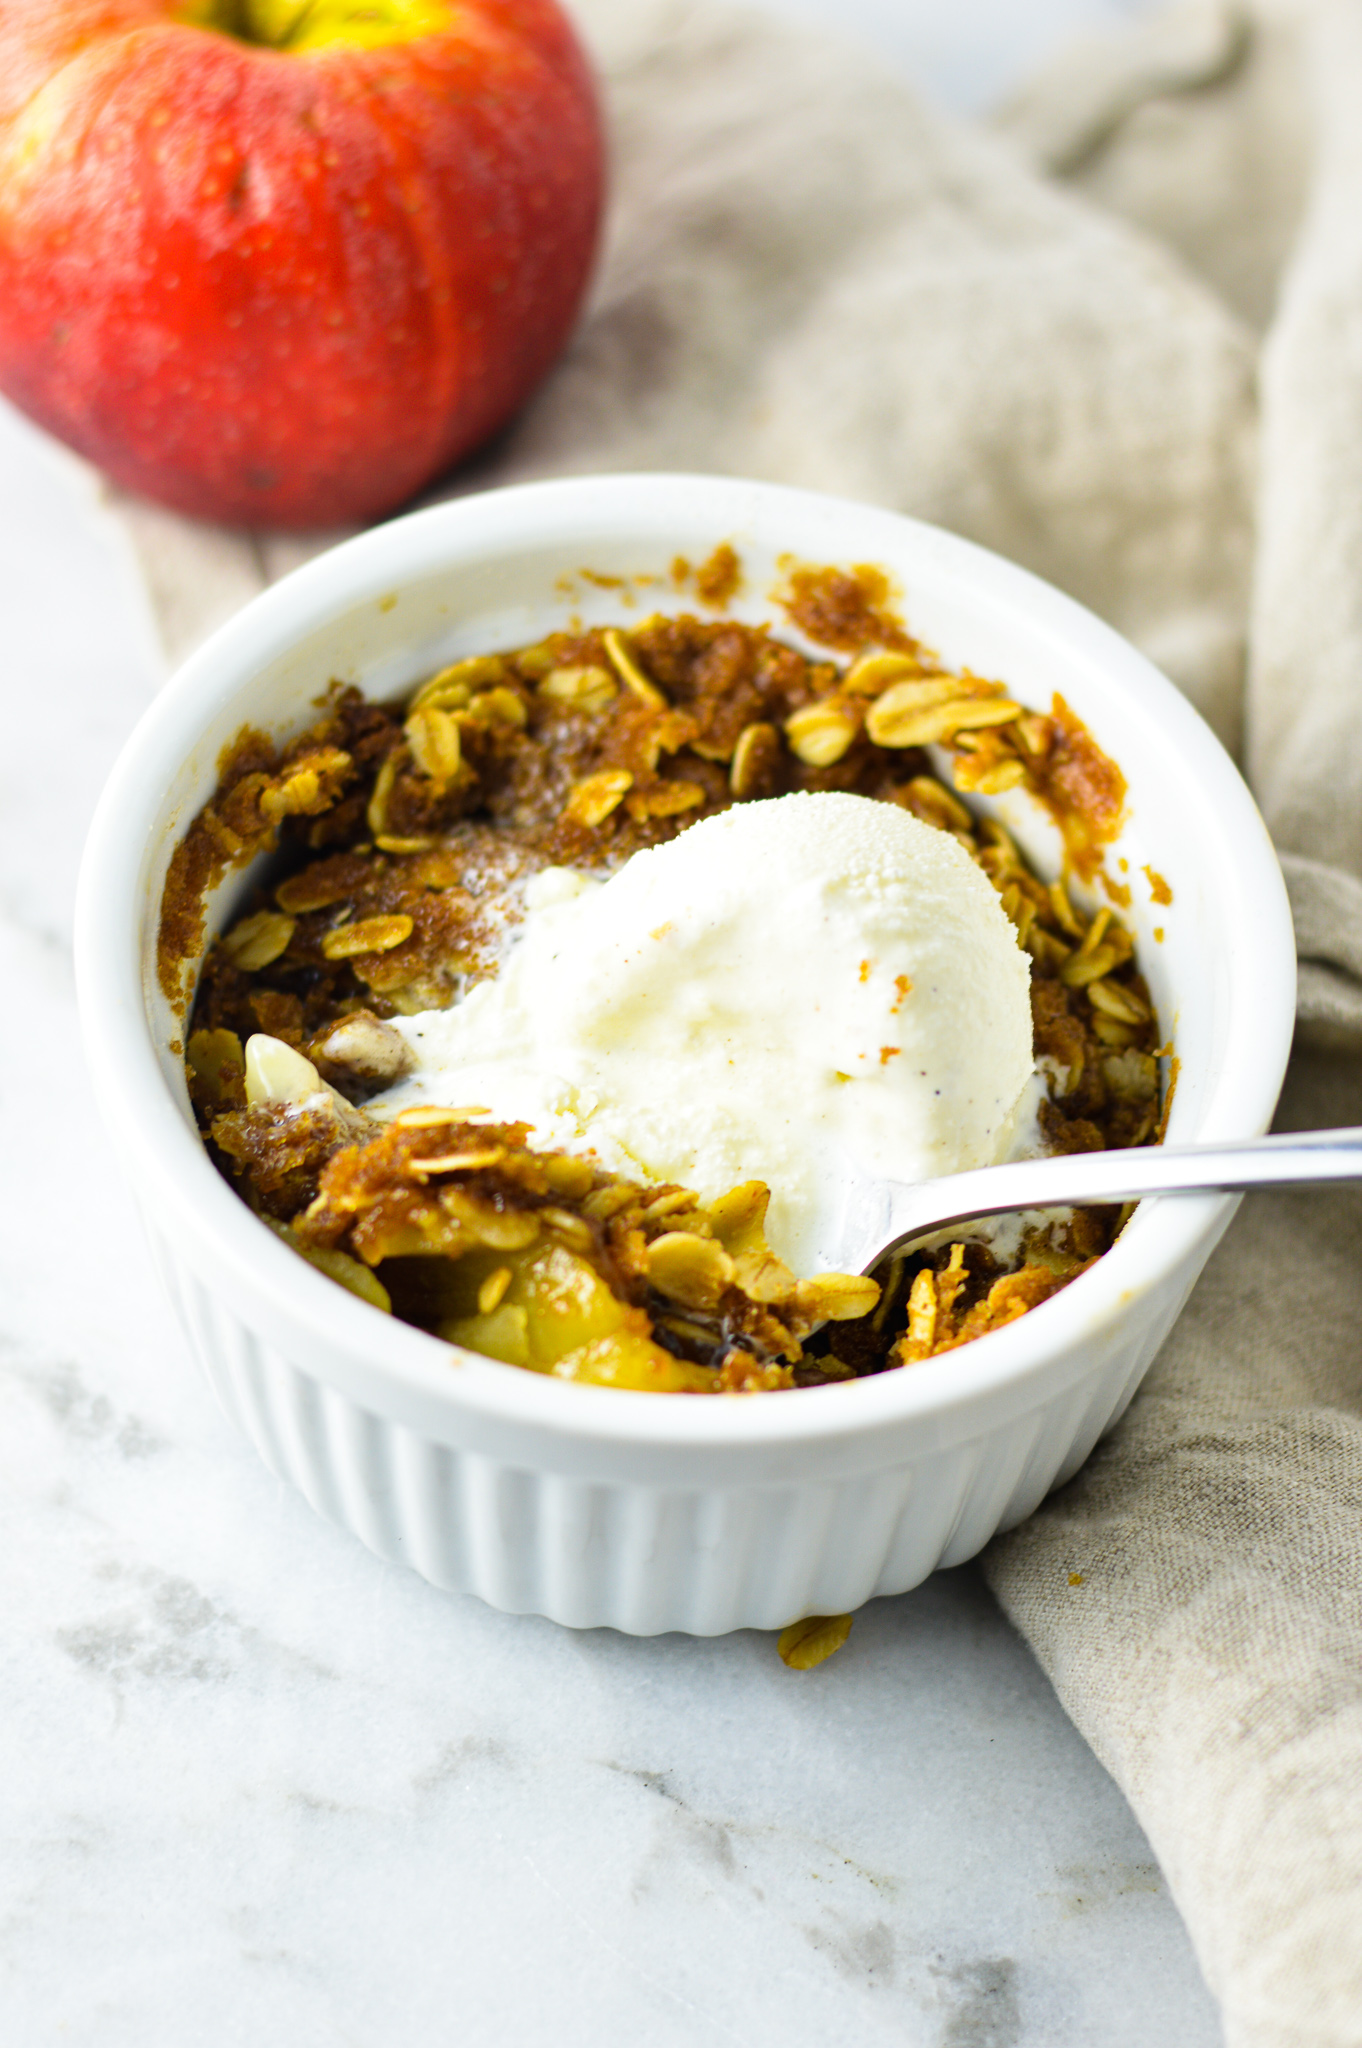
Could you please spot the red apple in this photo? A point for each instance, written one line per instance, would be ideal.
(279, 262)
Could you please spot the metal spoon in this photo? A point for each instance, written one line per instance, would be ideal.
(868, 1219)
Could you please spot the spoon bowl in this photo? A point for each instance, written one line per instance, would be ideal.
(874, 1218)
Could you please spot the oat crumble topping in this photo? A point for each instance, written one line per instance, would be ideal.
(404, 835)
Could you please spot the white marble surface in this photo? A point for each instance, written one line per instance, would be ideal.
(259, 1787)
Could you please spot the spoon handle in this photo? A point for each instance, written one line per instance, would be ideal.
(1293, 1159)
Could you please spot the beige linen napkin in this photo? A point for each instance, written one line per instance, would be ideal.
(1212, 1649)
(810, 276)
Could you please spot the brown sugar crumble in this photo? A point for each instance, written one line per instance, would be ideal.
(718, 580)
(1084, 791)
(848, 609)
(401, 837)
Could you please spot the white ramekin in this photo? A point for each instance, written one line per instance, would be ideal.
(647, 1512)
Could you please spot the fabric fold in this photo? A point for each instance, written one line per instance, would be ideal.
(1305, 681)
(1326, 906)
(1229, 131)
(1083, 100)
(812, 278)
(1195, 1596)
(1196, 1593)
(1191, 122)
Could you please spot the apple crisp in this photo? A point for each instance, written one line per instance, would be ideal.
(401, 838)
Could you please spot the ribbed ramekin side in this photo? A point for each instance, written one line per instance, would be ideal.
(571, 1558)
(1024, 1463)
(638, 1558)
(594, 1552)
(801, 1528)
(866, 1513)
(427, 1499)
(761, 1556)
(1110, 1393)
(1097, 1407)
(1002, 1457)
(643, 1538)
(349, 1458)
(1094, 1407)
(933, 1501)
(1057, 1425)
(230, 1357)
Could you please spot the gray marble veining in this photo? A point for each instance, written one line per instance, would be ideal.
(260, 1787)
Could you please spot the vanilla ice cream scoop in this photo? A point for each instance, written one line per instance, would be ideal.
(815, 976)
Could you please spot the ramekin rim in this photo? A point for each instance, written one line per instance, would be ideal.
(171, 1160)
